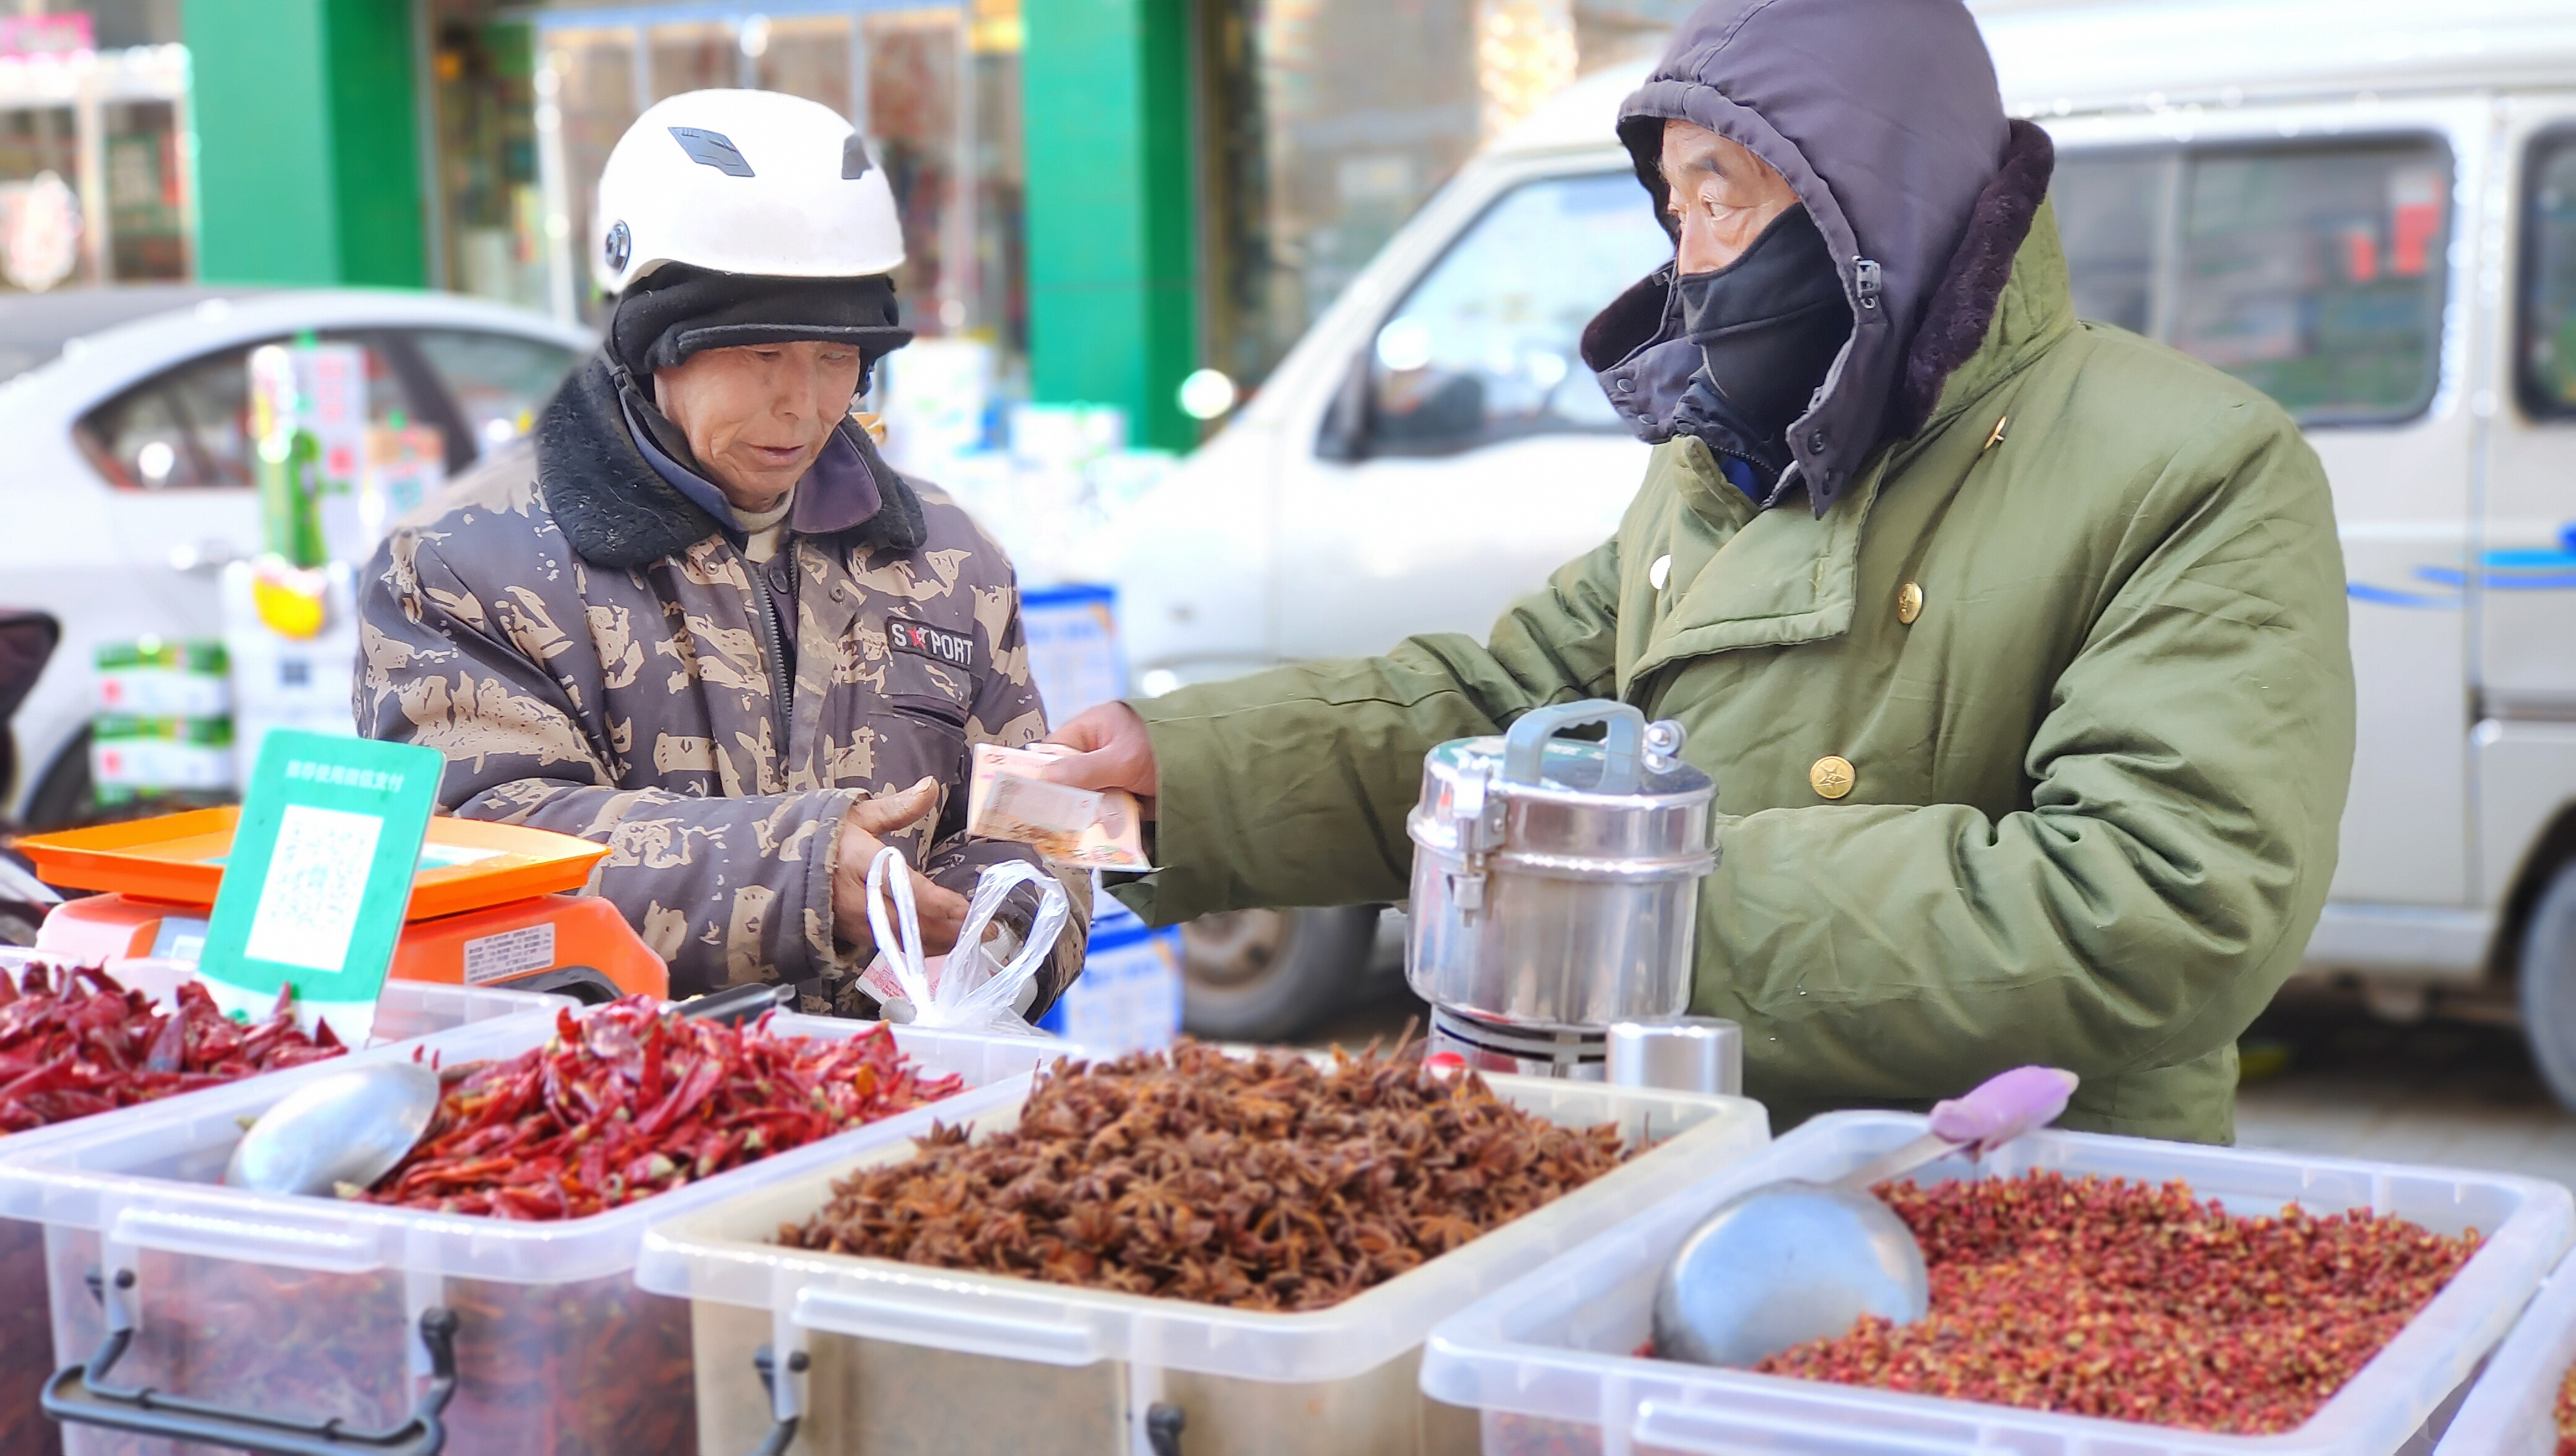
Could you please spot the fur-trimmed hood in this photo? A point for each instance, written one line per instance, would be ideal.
(617, 511)
(1884, 116)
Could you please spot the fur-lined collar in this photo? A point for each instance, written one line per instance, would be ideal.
(1962, 306)
(618, 512)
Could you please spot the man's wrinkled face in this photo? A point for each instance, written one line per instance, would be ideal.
(1723, 195)
(757, 414)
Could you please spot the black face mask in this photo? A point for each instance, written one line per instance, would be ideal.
(1769, 323)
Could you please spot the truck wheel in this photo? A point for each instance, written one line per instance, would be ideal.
(2548, 975)
(1266, 975)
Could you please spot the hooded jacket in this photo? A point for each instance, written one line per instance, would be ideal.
(2031, 742)
(593, 654)
(1884, 117)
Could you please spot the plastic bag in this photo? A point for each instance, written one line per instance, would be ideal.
(964, 989)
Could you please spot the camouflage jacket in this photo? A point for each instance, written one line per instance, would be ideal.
(588, 649)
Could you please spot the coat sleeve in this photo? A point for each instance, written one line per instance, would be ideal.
(2187, 781)
(1007, 710)
(1290, 787)
(726, 890)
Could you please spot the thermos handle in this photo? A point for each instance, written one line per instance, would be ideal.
(1525, 746)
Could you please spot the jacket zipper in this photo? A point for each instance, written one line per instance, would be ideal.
(776, 651)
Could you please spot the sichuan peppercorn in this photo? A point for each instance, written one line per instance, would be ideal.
(2104, 1297)
(1260, 1182)
(2567, 1415)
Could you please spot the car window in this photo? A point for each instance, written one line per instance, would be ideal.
(2313, 271)
(498, 381)
(189, 426)
(2111, 211)
(2546, 344)
(1484, 348)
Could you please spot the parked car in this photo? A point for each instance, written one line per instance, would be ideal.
(127, 480)
(2368, 211)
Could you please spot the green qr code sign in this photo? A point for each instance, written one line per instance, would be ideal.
(320, 869)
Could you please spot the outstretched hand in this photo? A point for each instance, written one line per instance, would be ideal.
(1111, 751)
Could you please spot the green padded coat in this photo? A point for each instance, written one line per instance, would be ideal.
(2081, 642)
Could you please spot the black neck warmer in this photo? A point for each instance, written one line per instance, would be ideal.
(1768, 324)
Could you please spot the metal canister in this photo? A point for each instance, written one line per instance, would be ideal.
(1555, 882)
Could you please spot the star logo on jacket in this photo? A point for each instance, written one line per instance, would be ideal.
(950, 649)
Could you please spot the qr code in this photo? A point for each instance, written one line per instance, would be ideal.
(317, 876)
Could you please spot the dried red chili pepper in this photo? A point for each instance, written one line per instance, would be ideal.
(2112, 1298)
(73, 1042)
(630, 1100)
(1260, 1182)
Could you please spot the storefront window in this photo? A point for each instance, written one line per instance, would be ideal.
(492, 242)
(936, 90)
(1327, 123)
(42, 241)
(146, 192)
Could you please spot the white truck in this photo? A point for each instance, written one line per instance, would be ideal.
(2366, 208)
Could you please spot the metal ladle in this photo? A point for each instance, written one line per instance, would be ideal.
(1793, 1261)
(353, 1127)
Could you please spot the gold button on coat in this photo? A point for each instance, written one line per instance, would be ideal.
(1909, 603)
(1832, 777)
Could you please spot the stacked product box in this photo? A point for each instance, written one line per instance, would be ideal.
(164, 720)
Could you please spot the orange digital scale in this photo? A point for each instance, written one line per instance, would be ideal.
(488, 906)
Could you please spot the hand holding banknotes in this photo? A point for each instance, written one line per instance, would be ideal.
(1111, 750)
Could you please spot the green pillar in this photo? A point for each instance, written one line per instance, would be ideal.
(1112, 246)
(308, 167)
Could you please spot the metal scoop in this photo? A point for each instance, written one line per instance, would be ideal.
(1789, 1262)
(350, 1128)
(353, 1127)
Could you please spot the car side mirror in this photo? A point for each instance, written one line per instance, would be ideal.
(1343, 436)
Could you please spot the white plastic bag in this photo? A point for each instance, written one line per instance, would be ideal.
(964, 989)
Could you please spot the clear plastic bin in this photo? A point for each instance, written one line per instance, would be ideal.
(1548, 1360)
(902, 1358)
(2512, 1410)
(311, 1309)
(409, 1012)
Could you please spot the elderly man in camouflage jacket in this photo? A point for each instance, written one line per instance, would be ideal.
(699, 619)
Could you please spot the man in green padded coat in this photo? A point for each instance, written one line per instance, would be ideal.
(2015, 644)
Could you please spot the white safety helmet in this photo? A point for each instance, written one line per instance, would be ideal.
(752, 182)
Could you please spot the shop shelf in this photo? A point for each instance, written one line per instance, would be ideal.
(2512, 1410)
(312, 1309)
(1548, 1362)
(903, 1358)
(411, 1014)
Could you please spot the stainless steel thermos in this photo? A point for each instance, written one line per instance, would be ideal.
(1555, 881)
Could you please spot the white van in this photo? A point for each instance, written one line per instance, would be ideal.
(2366, 208)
